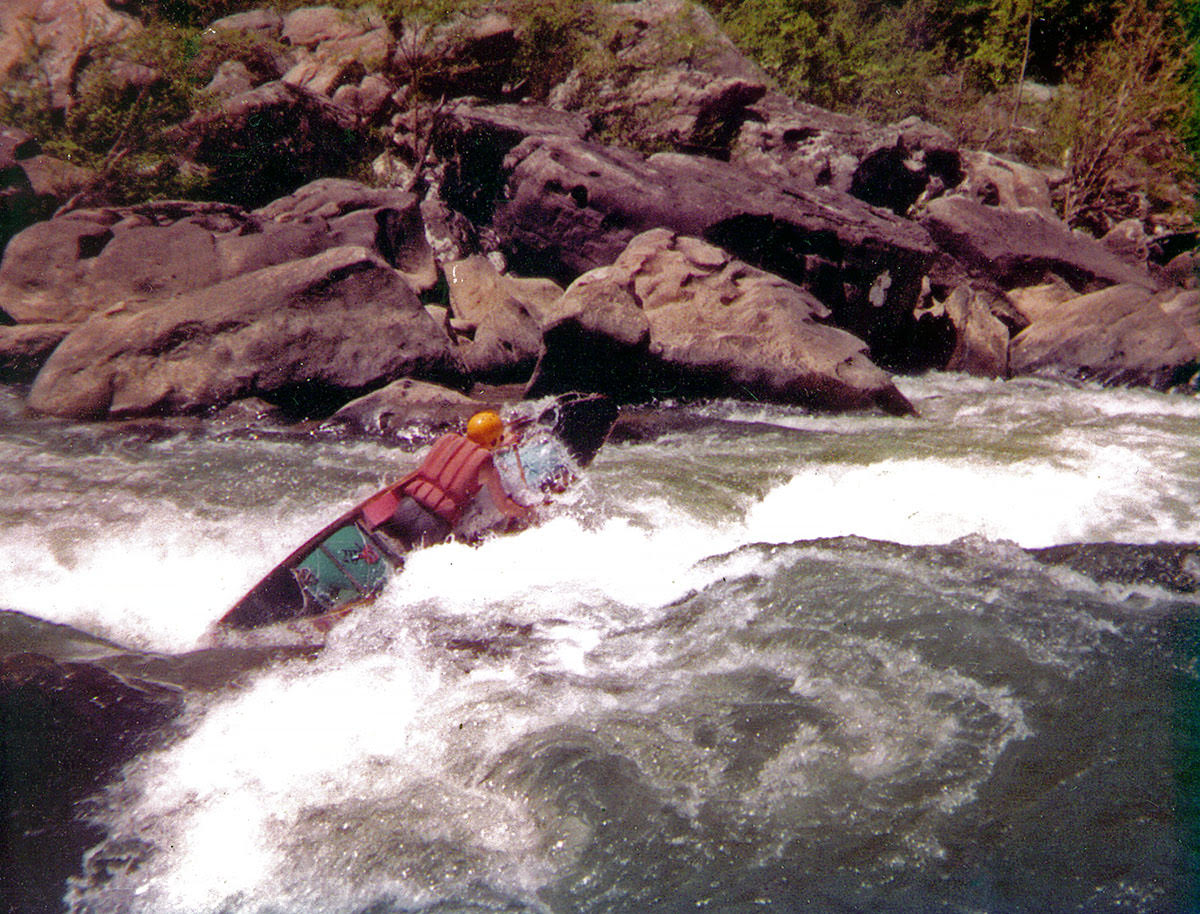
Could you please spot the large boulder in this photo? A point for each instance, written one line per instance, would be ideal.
(56, 34)
(1022, 247)
(499, 317)
(658, 91)
(269, 141)
(473, 140)
(971, 326)
(889, 166)
(308, 335)
(67, 268)
(676, 316)
(406, 408)
(32, 185)
(346, 212)
(1125, 334)
(570, 206)
(44, 276)
(24, 348)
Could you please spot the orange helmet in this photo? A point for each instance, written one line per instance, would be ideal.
(485, 428)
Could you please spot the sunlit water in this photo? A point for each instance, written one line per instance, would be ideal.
(765, 661)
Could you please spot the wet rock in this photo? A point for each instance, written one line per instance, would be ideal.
(408, 407)
(1021, 248)
(676, 316)
(1121, 335)
(1172, 566)
(65, 729)
(306, 335)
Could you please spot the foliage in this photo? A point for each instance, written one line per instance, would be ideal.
(554, 36)
(124, 93)
(837, 55)
(1126, 108)
(1127, 112)
(1123, 119)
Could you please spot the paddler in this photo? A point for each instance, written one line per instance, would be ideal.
(427, 506)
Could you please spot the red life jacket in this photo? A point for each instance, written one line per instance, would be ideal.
(449, 476)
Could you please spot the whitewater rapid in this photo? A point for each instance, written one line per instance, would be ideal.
(759, 657)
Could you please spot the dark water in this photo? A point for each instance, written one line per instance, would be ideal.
(766, 661)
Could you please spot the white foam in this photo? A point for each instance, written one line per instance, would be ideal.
(553, 570)
(1112, 493)
(154, 584)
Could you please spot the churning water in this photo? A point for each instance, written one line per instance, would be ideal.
(759, 660)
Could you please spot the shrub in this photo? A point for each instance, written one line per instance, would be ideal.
(870, 59)
(124, 94)
(1123, 119)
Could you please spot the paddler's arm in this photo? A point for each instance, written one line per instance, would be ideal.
(491, 478)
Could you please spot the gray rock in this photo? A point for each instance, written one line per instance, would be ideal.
(305, 335)
(1022, 248)
(888, 166)
(269, 141)
(570, 206)
(675, 316)
(408, 407)
(1125, 334)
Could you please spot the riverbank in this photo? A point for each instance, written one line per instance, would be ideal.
(805, 260)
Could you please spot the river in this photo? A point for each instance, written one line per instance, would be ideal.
(760, 660)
